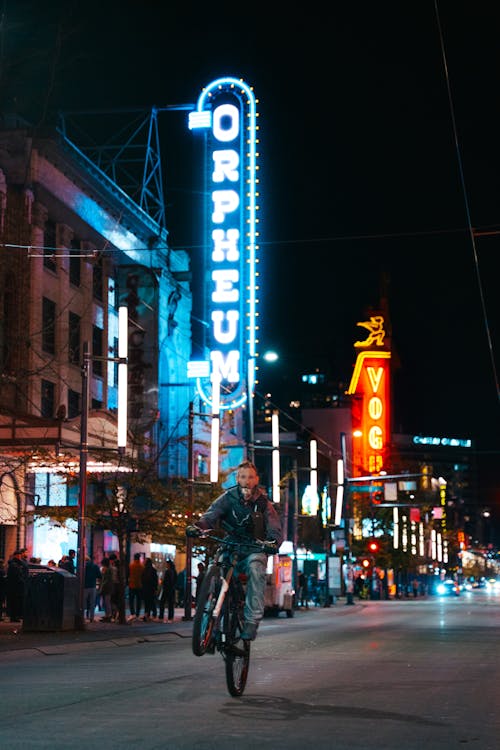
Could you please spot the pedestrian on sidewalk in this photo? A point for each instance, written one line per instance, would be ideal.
(167, 596)
(135, 571)
(92, 575)
(67, 562)
(107, 586)
(115, 594)
(149, 589)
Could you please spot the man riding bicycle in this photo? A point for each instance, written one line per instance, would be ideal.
(247, 514)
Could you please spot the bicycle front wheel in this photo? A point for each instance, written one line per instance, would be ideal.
(236, 651)
(204, 621)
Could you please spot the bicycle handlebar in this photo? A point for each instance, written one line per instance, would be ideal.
(259, 545)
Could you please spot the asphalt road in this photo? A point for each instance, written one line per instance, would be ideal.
(410, 674)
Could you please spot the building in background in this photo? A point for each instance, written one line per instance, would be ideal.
(74, 246)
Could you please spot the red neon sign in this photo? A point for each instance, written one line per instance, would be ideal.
(371, 411)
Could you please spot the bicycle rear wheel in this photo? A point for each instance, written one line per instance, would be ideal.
(204, 621)
(236, 651)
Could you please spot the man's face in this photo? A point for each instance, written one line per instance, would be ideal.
(247, 479)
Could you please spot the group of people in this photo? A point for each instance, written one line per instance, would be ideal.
(147, 590)
(152, 594)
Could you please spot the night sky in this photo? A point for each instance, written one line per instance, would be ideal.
(370, 167)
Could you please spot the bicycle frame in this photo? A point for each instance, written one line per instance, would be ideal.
(218, 621)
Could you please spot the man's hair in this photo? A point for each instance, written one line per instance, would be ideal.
(247, 465)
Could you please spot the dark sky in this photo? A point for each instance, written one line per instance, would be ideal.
(367, 166)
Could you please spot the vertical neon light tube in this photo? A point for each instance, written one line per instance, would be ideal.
(275, 428)
(395, 520)
(313, 461)
(214, 445)
(122, 376)
(339, 504)
(439, 547)
(404, 534)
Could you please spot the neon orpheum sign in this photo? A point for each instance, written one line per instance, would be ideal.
(371, 382)
(226, 114)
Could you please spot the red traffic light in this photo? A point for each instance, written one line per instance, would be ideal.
(373, 546)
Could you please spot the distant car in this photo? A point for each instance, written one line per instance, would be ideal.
(474, 583)
(448, 588)
(493, 584)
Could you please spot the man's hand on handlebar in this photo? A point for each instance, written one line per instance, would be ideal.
(270, 547)
(193, 531)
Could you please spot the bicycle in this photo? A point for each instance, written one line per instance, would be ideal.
(219, 620)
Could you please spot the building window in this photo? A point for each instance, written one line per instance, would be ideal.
(74, 339)
(73, 404)
(97, 337)
(51, 489)
(72, 494)
(97, 277)
(49, 245)
(48, 326)
(96, 403)
(75, 262)
(48, 399)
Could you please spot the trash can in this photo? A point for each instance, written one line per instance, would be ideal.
(50, 600)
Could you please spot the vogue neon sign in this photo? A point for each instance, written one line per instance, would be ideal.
(226, 113)
(370, 380)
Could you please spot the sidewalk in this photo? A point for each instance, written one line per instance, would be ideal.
(13, 638)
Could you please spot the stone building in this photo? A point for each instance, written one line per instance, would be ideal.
(74, 246)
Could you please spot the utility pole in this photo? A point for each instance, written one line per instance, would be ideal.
(295, 531)
(82, 497)
(347, 572)
(189, 541)
(122, 361)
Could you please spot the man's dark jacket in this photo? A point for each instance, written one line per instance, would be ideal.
(255, 518)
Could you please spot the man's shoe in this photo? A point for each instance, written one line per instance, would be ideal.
(249, 632)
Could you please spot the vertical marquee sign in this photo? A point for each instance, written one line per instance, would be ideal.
(226, 114)
(370, 382)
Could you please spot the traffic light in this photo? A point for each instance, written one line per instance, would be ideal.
(365, 563)
(373, 546)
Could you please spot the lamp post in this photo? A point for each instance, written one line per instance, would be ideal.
(82, 496)
(189, 541)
